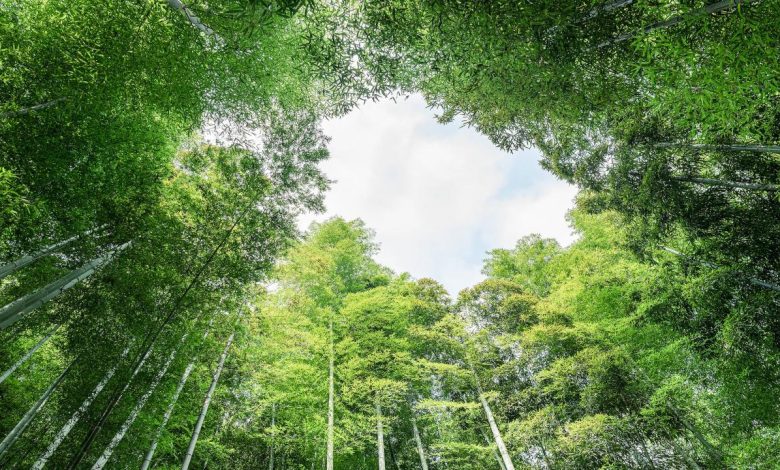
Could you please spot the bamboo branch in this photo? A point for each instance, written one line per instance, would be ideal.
(705, 10)
(754, 281)
(723, 147)
(729, 184)
(193, 19)
(26, 111)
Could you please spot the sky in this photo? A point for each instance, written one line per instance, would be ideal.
(438, 196)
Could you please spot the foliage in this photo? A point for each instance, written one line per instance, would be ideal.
(182, 141)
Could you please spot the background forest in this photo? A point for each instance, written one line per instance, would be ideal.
(159, 307)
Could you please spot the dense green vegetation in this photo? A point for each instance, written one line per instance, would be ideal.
(158, 304)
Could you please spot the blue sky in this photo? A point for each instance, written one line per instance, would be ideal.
(438, 196)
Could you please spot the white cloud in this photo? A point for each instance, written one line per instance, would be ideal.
(437, 196)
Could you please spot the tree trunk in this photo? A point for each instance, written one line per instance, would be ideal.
(273, 437)
(169, 411)
(74, 419)
(28, 110)
(15, 265)
(723, 148)
(705, 10)
(329, 455)
(380, 438)
(199, 424)
(728, 184)
(28, 417)
(104, 458)
(14, 311)
(29, 353)
(496, 434)
(418, 442)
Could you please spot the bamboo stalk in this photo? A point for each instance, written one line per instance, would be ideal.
(199, 424)
(272, 450)
(20, 427)
(15, 265)
(109, 450)
(723, 148)
(380, 437)
(14, 311)
(29, 354)
(154, 335)
(169, 411)
(194, 20)
(74, 419)
(507, 460)
(419, 444)
(329, 456)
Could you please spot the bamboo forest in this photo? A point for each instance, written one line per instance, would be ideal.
(161, 305)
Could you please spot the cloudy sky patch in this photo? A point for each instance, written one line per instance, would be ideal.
(438, 196)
